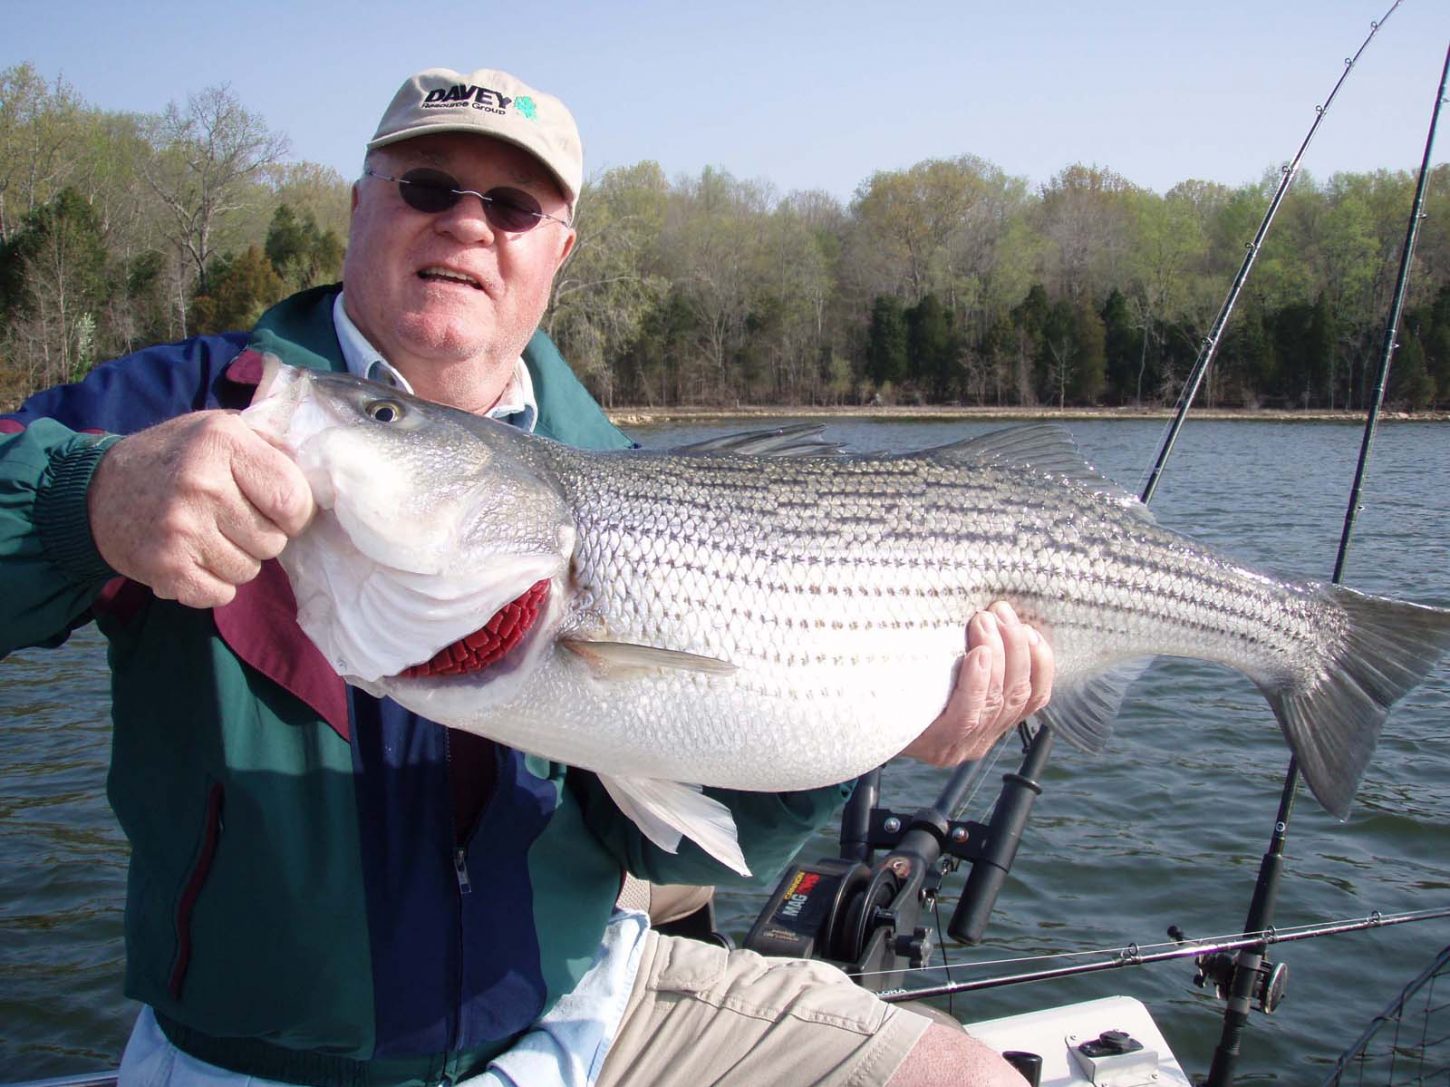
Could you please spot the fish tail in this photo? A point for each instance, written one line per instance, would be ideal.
(1333, 722)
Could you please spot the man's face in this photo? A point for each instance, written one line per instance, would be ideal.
(448, 299)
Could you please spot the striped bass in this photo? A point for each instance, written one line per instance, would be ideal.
(778, 619)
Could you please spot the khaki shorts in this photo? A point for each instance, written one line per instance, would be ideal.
(701, 1016)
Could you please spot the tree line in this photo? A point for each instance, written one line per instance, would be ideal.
(947, 282)
(120, 230)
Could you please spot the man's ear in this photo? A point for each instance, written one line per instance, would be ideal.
(568, 248)
(355, 184)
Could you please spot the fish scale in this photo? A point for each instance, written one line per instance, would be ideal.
(779, 622)
(918, 555)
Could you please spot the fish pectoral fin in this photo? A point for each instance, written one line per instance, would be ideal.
(622, 660)
(665, 811)
(1083, 715)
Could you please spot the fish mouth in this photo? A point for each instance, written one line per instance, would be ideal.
(490, 643)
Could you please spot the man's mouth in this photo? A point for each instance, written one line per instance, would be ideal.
(449, 275)
(491, 643)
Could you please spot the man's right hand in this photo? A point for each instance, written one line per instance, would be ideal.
(192, 507)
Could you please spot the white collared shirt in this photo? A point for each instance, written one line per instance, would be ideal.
(517, 406)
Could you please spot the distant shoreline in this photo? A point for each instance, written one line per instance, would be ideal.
(644, 416)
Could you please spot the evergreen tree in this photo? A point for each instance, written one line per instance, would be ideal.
(887, 360)
(1090, 344)
(241, 289)
(53, 291)
(301, 253)
(1435, 339)
(1123, 346)
(1410, 386)
(931, 347)
(1030, 318)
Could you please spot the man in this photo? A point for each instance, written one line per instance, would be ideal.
(325, 888)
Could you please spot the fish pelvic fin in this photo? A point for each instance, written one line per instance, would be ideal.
(1083, 714)
(666, 811)
(624, 660)
(1333, 723)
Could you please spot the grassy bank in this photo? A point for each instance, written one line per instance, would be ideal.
(643, 416)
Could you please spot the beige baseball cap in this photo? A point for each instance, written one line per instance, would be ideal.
(489, 103)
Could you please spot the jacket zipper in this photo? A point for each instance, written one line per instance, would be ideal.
(460, 870)
(465, 887)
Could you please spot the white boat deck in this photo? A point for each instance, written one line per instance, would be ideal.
(1057, 1035)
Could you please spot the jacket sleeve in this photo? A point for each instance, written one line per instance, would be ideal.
(772, 828)
(50, 570)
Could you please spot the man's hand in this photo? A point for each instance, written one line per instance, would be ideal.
(193, 506)
(1005, 677)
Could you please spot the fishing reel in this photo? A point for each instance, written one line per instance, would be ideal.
(867, 914)
(1217, 968)
(864, 918)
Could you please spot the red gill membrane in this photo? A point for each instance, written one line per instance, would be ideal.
(478, 650)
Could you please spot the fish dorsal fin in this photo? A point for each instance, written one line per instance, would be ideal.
(799, 440)
(665, 811)
(622, 660)
(1083, 714)
(1048, 448)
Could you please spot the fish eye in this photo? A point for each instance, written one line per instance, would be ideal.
(384, 411)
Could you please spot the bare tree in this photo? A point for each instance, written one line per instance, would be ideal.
(206, 157)
(37, 121)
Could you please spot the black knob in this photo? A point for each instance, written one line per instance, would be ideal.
(1028, 1065)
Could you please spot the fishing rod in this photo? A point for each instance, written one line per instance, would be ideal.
(1134, 955)
(1210, 343)
(1261, 909)
(865, 915)
(970, 918)
(1392, 325)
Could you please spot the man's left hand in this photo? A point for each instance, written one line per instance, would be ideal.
(1006, 676)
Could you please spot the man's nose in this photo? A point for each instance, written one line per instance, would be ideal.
(466, 220)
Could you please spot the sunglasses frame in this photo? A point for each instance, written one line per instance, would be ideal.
(490, 203)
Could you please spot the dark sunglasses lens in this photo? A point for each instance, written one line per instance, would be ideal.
(512, 209)
(429, 191)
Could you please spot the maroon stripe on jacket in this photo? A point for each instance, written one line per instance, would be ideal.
(194, 884)
(260, 627)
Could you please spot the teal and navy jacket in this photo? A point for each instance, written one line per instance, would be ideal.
(303, 901)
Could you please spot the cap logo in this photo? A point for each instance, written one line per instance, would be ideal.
(469, 95)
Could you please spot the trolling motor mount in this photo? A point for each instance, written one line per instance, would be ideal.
(865, 910)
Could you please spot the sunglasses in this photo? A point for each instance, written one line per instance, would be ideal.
(432, 191)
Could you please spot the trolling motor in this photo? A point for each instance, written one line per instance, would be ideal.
(866, 914)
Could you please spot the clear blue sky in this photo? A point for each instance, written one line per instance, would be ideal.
(805, 95)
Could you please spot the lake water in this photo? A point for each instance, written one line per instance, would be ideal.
(1166, 828)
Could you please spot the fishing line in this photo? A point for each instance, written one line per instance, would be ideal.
(1208, 943)
(1201, 943)
(977, 777)
(946, 963)
(1142, 954)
